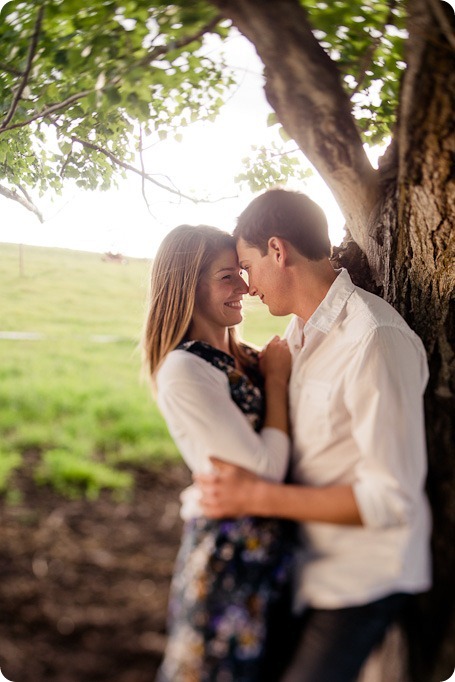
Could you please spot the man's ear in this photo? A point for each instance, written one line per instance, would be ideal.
(278, 249)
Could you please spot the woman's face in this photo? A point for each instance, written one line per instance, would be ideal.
(220, 291)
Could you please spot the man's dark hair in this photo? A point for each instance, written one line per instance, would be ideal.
(290, 215)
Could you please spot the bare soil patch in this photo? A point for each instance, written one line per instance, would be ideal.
(84, 584)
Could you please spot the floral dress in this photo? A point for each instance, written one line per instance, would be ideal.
(230, 592)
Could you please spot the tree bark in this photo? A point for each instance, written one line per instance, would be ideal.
(419, 282)
(401, 220)
(414, 228)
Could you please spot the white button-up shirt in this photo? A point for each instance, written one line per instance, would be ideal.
(356, 407)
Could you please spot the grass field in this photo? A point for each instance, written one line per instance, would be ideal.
(70, 387)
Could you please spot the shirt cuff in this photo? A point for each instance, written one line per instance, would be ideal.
(189, 498)
(380, 507)
(278, 445)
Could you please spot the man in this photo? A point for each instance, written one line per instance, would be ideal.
(359, 458)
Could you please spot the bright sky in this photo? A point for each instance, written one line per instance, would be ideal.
(203, 164)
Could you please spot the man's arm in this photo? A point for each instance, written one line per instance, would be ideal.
(384, 400)
(233, 491)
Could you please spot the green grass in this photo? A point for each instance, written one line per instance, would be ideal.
(71, 396)
(9, 461)
(69, 473)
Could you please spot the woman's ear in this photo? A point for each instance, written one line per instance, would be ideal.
(278, 249)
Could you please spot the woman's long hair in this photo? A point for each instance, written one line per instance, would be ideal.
(184, 255)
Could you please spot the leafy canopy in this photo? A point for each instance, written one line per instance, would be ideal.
(366, 39)
(98, 74)
(82, 85)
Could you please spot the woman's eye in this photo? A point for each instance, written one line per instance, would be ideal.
(226, 277)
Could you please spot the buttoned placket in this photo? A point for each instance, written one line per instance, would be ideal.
(301, 351)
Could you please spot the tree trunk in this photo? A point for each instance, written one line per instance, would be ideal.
(414, 229)
(419, 283)
(406, 238)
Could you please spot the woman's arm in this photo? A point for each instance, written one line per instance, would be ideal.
(275, 364)
(202, 418)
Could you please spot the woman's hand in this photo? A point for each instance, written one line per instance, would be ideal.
(275, 360)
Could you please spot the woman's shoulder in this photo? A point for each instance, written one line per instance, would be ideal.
(179, 365)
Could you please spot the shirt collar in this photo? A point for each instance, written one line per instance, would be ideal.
(328, 310)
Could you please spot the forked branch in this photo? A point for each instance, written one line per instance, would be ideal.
(152, 55)
(28, 67)
(23, 199)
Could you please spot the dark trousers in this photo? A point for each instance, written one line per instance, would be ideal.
(334, 643)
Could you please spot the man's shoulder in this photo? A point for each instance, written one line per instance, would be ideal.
(368, 312)
(375, 324)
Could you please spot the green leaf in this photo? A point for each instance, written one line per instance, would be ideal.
(113, 95)
(283, 134)
(65, 147)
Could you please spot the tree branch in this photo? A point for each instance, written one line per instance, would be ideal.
(153, 54)
(66, 162)
(28, 66)
(303, 85)
(9, 69)
(49, 110)
(133, 169)
(156, 52)
(161, 50)
(23, 200)
(141, 157)
(25, 193)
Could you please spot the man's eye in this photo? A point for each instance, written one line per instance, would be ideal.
(226, 277)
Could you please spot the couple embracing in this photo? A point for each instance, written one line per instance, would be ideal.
(307, 528)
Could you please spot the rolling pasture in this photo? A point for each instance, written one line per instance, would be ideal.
(71, 391)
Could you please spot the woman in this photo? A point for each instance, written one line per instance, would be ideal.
(230, 575)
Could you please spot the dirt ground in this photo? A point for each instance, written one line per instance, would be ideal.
(84, 584)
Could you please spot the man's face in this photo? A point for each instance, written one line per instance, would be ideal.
(264, 276)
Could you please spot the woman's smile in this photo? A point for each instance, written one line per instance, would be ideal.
(234, 304)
